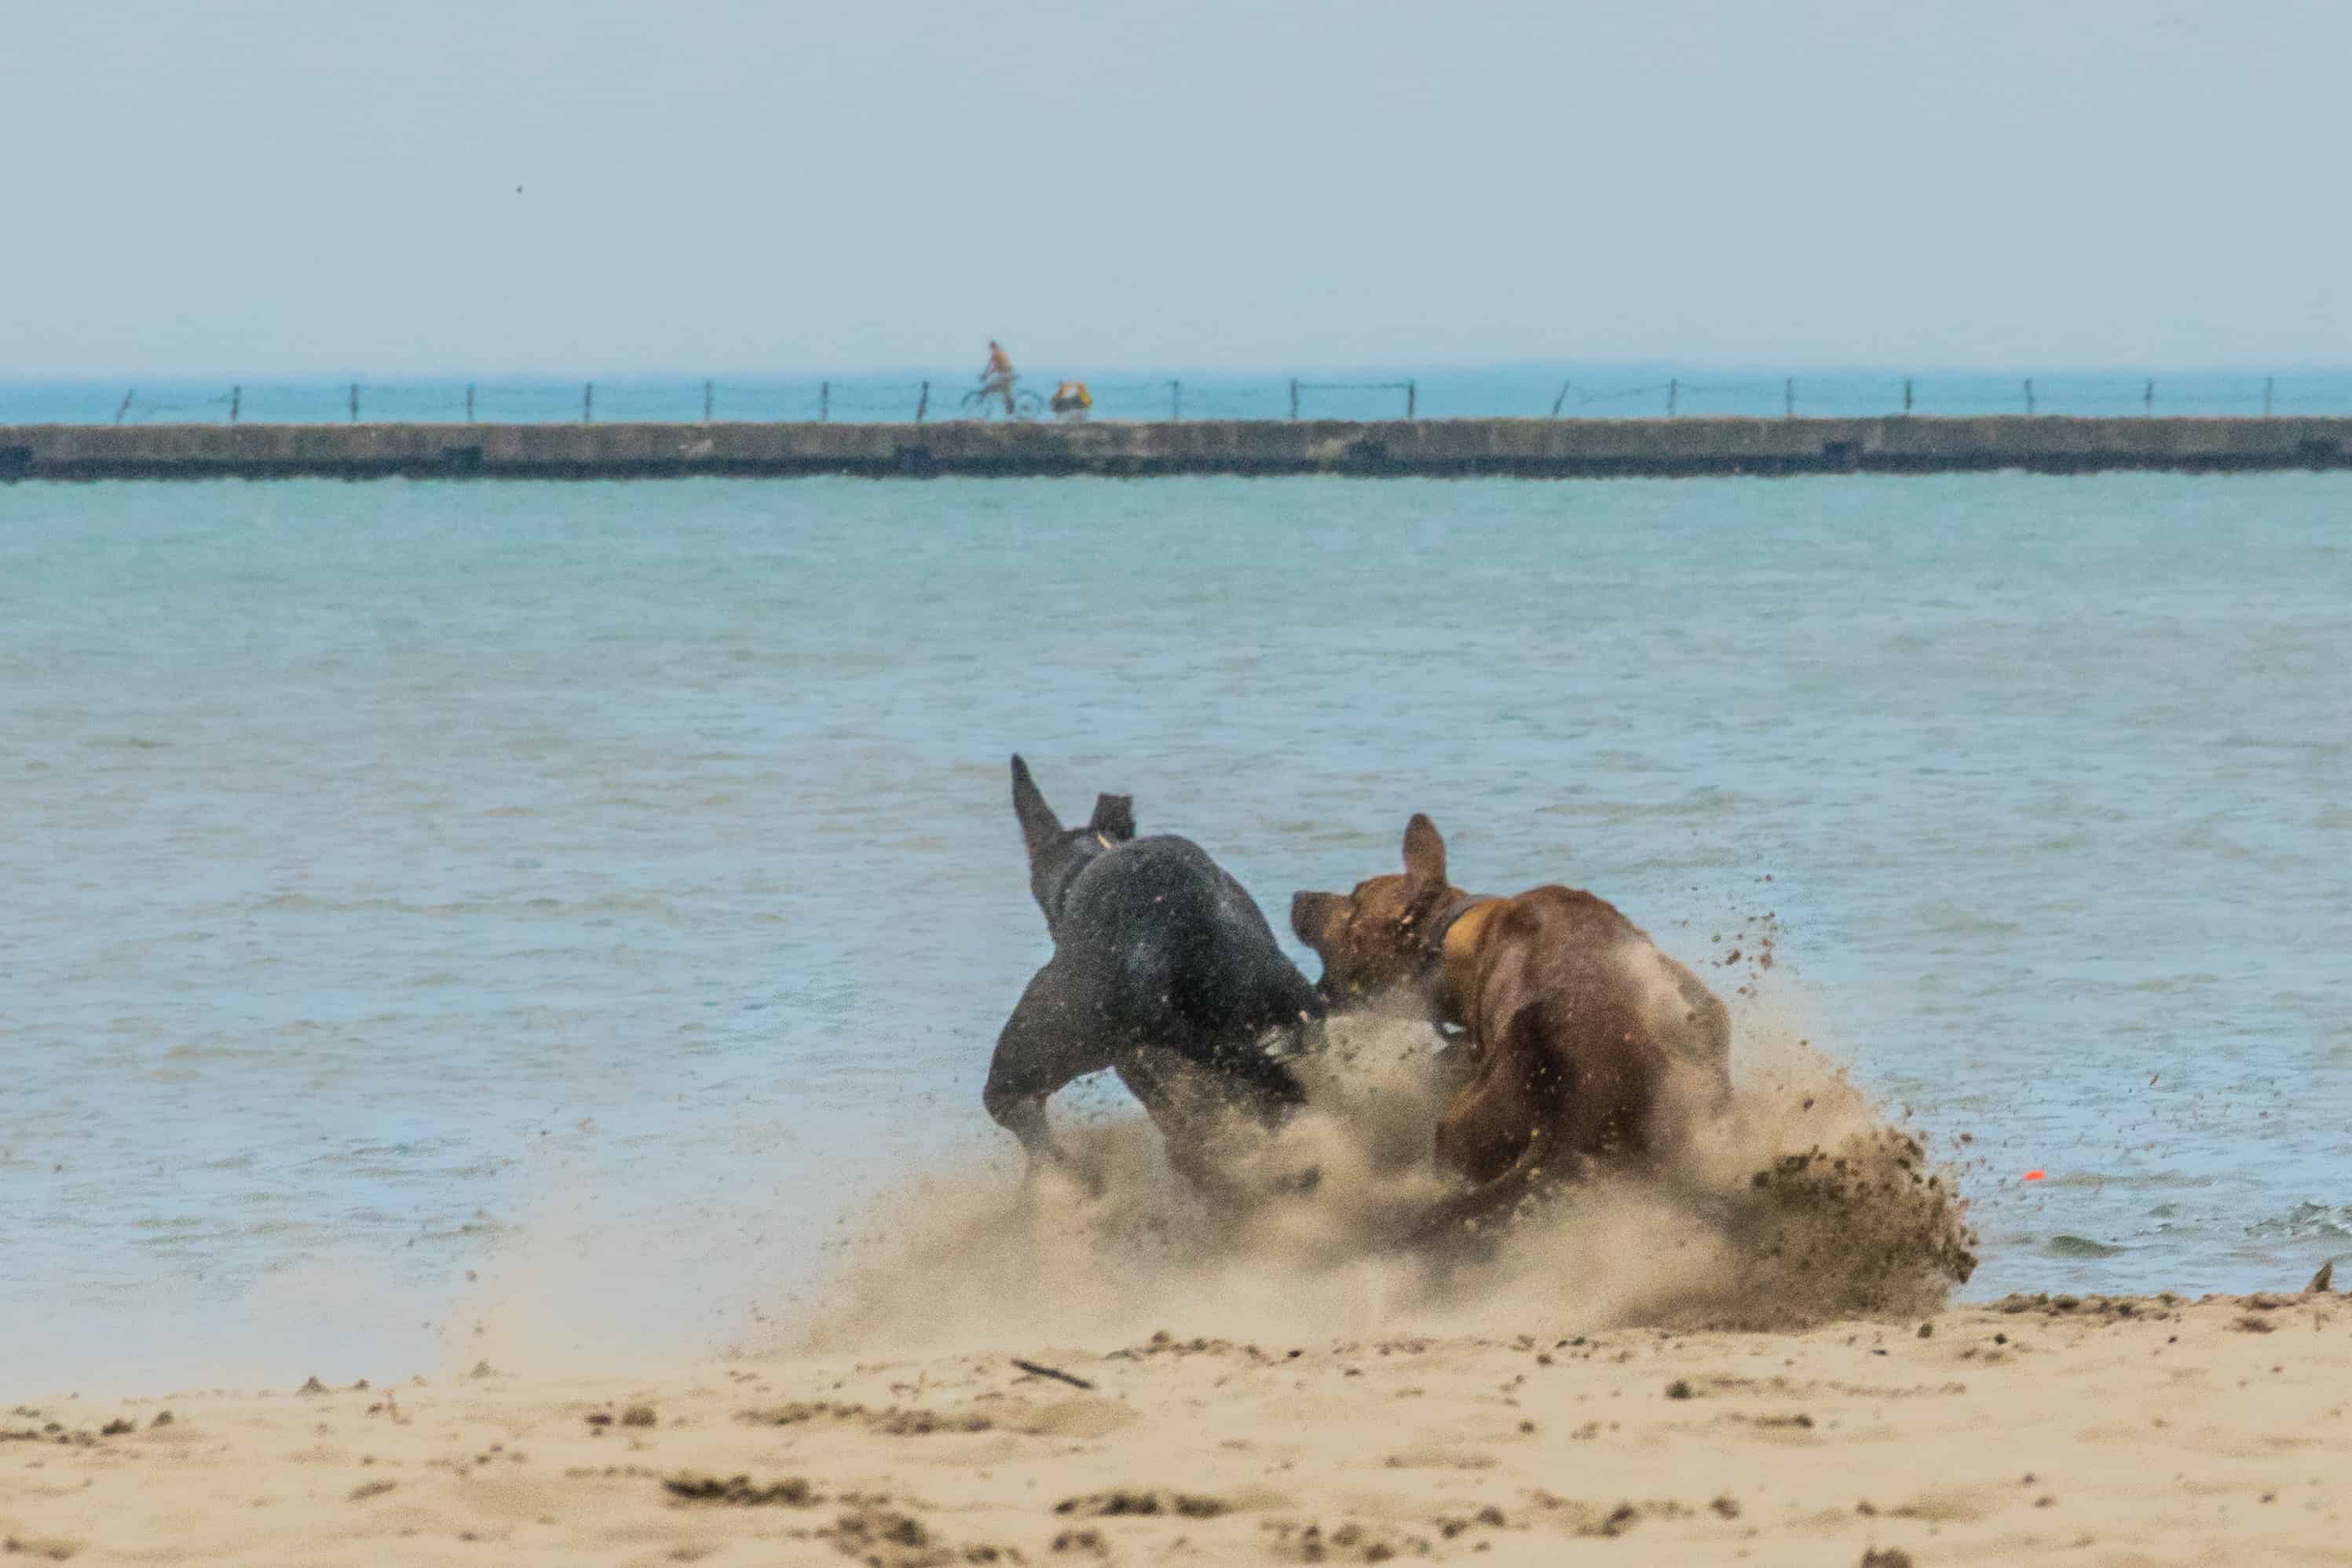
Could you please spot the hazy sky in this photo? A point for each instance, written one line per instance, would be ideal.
(294, 186)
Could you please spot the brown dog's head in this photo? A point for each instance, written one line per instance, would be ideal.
(1377, 938)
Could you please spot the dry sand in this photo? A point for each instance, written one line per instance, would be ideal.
(2098, 1432)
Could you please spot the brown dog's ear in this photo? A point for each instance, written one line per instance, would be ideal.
(1425, 863)
(1310, 917)
(1039, 826)
(1114, 818)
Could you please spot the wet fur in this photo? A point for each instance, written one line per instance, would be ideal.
(1163, 971)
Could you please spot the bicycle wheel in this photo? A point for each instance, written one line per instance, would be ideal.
(1028, 405)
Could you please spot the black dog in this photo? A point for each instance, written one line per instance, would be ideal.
(1162, 970)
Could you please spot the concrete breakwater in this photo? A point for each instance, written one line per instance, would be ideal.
(1530, 448)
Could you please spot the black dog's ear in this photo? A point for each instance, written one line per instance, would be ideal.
(1039, 826)
(1114, 817)
(1425, 863)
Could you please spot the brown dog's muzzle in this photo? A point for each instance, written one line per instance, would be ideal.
(1310, 918)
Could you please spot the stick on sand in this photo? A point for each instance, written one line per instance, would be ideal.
(1054, 1372)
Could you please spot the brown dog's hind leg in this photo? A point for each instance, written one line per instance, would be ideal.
(1602, 1115)
(1493, 1199)
(1528, 1112)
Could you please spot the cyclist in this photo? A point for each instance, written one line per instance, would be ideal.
(997, 380)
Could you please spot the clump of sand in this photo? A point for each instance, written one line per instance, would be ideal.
(1795, 1203)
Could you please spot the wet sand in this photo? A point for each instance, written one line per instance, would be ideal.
(2137, 1430)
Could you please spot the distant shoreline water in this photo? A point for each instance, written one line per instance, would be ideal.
(1511, 392)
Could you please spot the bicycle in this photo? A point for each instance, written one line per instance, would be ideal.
(982, 401)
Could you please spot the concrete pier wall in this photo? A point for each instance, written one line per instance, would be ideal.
(1530, 448)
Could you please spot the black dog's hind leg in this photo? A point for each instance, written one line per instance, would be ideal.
(1193, 1105)
(1273, 1001)
(1259, 1082)
(1042, 1046)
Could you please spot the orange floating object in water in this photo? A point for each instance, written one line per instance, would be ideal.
(2033, 1175)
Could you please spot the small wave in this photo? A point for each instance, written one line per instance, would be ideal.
(1967, 920)
(2128, 1181)
(537, 906)
(2168, 984)
(2063, 1245)
(2304, 1222)
(1698, 804)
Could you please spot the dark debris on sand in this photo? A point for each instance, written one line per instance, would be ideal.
(1141, 1502)
(884, 1537)
(1348, 1543)
(891, 1422)
(793, 1492)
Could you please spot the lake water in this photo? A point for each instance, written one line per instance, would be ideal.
(414, 887)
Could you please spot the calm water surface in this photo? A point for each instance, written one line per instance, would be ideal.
(429, 901)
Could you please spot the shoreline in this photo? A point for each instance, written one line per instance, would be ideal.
(1453, 448)
(2103, 1429)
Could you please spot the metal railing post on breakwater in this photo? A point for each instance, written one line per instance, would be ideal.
(1609, 402)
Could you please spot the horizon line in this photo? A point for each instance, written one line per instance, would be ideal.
(1784, 370)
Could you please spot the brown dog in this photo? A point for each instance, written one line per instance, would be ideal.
(1577, 1027)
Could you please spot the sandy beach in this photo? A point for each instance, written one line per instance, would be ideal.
(2102, 1430)
(1749, 1357)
